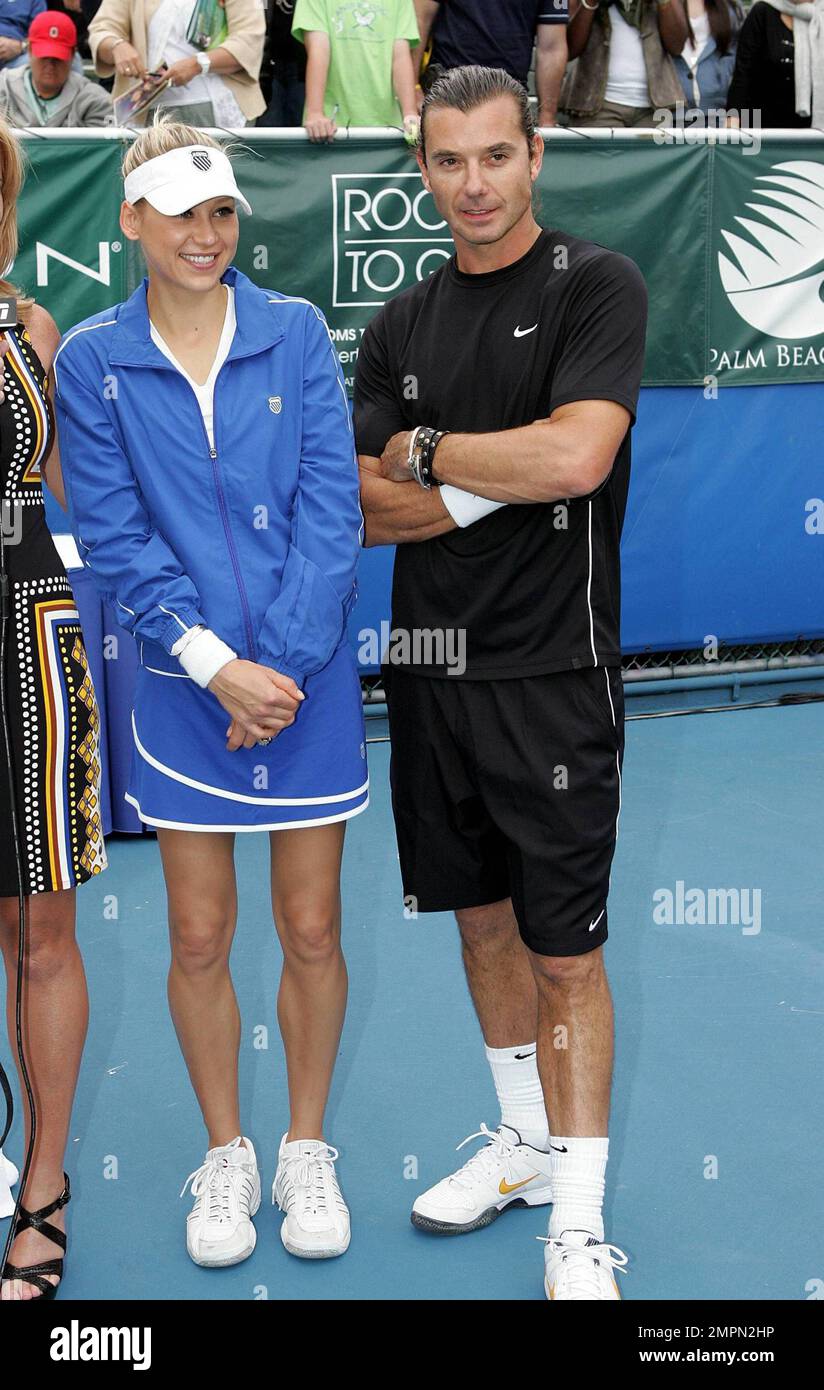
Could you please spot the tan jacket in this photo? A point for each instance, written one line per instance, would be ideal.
(585, 81)
(129, 19)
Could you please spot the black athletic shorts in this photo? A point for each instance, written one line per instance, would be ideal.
(510, 788)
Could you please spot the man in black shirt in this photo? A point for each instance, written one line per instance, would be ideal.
(283, 69)
(503, 680)
(499, 34)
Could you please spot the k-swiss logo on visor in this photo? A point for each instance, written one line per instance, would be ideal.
(202, 160)
(276, 404)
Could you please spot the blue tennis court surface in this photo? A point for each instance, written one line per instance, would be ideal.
(714, 1181)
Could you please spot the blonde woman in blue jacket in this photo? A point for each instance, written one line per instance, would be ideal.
(212, 483)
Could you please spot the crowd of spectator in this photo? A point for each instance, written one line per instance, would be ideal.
(330, 64)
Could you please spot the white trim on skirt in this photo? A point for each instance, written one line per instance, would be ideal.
(277, 825)
(239, 796)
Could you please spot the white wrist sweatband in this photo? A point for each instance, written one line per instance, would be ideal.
(189, 635)
(202, 654)
(465, 507)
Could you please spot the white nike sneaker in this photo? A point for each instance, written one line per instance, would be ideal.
(226, 1188)
(316, 1221)
(505, 1172)
(577, 1266)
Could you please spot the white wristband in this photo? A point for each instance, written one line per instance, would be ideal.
(465, 507)
(202, 655)
(189, 635)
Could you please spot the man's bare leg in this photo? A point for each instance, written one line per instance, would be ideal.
(575, 1041)
(499, 974)
(575, 1054)
(511, 1167)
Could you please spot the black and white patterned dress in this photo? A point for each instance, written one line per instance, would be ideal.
(53, 716)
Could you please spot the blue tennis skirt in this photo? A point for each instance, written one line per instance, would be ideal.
(184, 778)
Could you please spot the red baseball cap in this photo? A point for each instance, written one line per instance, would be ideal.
(53, 34)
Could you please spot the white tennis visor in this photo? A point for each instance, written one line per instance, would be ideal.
(182, 178)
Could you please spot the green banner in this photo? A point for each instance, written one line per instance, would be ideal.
(765, 317)
(73, 257)
(729, 239)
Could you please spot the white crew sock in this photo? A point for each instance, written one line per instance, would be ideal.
(518, 1086)
(578, 1167)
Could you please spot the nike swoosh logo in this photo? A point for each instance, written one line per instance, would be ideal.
(522, 1056)
(522, 332)
(594, 924)
(560, 1150)
(505, 1187)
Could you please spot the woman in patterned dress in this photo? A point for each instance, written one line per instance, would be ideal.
(55, 753)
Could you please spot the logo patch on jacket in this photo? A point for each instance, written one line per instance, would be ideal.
(276, 404)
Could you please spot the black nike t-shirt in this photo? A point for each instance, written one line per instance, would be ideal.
(535, 587)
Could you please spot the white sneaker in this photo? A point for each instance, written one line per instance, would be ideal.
(316, 1221)
(226, 1188)
(577, 1266)
(505, 1172)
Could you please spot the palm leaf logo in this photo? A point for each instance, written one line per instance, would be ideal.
(776, 284)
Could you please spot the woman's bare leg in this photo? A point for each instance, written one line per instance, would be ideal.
(55, 1018)
(199, 869)
(313, 986)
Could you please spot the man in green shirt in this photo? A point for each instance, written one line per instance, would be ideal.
(359, 68)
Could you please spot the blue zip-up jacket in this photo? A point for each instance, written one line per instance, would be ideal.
(712, 75)
(259, 538)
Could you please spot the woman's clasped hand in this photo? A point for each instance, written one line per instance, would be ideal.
(260, 700)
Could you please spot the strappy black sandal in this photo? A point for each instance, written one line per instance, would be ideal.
(34, 1274)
